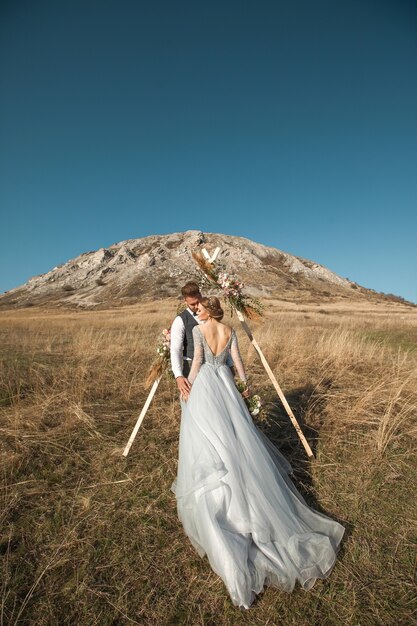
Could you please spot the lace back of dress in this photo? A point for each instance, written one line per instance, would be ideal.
(203, 354)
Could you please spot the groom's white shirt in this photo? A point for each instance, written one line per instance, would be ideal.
(177, 344)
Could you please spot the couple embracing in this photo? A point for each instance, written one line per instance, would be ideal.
(199, 310)
(234, 496)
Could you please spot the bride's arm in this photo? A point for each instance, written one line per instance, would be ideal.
(198, 357)
(237, 359)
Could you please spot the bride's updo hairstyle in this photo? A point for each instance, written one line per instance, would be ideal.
(213, 308)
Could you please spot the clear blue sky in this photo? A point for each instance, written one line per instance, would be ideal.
(291, 123)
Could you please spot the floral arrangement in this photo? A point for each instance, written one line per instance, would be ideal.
(164, 346)
(254, 403)
(162, 363)
(215, 274)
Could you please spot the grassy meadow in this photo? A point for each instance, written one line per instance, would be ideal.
(91, 538)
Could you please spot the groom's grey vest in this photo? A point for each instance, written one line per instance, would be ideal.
(189, 322)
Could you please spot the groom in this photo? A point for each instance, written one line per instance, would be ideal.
(182, 344)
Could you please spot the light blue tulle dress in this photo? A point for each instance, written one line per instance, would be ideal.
(234, 497)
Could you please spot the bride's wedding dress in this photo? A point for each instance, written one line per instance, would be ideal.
(234, 497)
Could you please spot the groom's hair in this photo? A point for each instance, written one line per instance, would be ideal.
(190, 289)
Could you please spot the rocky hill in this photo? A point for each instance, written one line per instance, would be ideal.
(157, 266)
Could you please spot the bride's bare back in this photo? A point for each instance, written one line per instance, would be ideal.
(217, 335)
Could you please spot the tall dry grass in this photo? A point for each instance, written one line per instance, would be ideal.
(90, 537)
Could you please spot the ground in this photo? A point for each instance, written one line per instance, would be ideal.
(90, 537)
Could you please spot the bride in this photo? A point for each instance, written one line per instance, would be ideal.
(234, 497)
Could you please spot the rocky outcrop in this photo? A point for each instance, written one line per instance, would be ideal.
(157, 266)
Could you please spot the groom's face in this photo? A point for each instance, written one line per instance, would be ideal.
(193, 302)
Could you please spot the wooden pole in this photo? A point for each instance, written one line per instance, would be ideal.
(142, 415)
(267, 368)
(275, 383)
(213, 257)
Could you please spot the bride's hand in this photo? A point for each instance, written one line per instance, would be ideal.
(246, 392)
(185, 394)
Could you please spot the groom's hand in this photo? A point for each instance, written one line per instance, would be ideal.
(183, 385)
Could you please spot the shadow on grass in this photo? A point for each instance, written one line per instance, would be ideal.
(280, 430)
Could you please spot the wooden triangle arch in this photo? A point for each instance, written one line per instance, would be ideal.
(265, 363)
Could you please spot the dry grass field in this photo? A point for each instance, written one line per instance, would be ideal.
(91, 538)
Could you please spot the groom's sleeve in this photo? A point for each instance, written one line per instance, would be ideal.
(177, 342)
